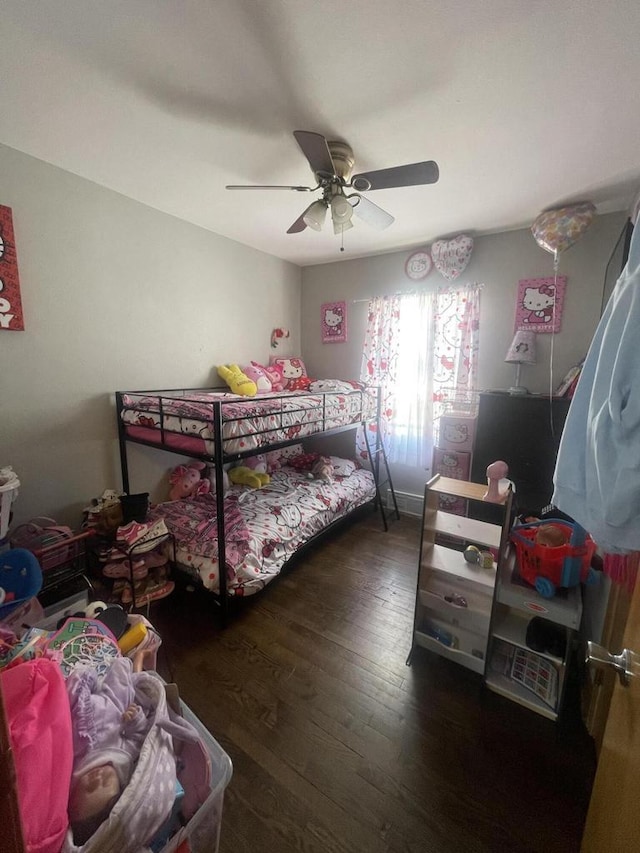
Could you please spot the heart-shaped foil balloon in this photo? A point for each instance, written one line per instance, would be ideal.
(556, 230)
(451, 257)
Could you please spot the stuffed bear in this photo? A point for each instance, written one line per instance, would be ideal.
(187, 482)
(237, 380)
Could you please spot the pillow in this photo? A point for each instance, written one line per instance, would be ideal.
(335, 385)
(292, 369)
(343, 467)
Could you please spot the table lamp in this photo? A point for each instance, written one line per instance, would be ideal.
(522, 351)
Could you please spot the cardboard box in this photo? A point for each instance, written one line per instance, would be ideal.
(451, 463)
(456, 431)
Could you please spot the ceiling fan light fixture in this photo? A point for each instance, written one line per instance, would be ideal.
(341, 210)
(341, 227)
(316, 215)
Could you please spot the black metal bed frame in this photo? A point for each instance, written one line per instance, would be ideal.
(218, 460)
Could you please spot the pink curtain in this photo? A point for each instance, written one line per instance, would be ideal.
(457, 325)
(417, 371)
(380, 361)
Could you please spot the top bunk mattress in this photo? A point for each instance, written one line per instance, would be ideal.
(185, 420)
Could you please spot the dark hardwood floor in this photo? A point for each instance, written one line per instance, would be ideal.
(338, 746)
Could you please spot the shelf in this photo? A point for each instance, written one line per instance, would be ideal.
(450, 562)
(464, 658)
(469, 529)
(458, 488)
(474, 617)
(565, 608)
(513, 628)
(517, 693)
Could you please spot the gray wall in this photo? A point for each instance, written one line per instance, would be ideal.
(498, 261)
(116, 296)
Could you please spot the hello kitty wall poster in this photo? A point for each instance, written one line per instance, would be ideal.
(539, 304)
(333, 320)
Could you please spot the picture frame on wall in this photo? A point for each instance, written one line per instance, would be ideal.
(540, 304)
(333, 322)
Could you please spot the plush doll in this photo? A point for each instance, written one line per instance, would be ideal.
(274, 372)
(237, 381)
(187, 482)
(211, 476)
(257, 374)
(322, 469)
(244, 476)
(258, 464)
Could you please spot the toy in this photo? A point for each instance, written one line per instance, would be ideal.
(496, 472)
(551, 535)
(211, 476)
(258, 463)
(547, 567)
(187, 481)
(322, 469)
(257, 374)
(243, 476)
(237, 380)
(274, 372)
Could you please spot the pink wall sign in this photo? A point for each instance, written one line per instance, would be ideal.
(333, 320)
(539, 304)
(10, 305)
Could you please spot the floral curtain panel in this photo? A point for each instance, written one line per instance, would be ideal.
(418, 349)
(380, 362)
(456, 342)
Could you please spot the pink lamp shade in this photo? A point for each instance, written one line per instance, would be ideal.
(522, 351)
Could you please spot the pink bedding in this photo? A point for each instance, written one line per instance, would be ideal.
(263, 527)
(184, 420)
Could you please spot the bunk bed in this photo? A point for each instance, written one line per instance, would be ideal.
(254, 533)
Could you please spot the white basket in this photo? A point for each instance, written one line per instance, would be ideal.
(9, 484)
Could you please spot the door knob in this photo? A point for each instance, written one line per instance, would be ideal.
(626, 664)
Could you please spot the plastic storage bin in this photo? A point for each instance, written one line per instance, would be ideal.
(9, 485)
(202, 833)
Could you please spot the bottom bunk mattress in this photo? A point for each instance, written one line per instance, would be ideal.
(263, 527)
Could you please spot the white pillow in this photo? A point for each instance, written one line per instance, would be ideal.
(342, 467)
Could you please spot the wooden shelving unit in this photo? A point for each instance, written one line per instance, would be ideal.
(454, 598)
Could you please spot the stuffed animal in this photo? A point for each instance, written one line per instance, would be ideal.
(243, 476)
(322, 469)
(274, 372)
(187, 482)
(258, 464)
(211, 476)
(237, 380)
(257, 374)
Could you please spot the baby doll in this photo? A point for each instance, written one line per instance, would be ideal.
(109, 728)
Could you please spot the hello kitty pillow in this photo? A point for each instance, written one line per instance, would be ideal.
(294, 373)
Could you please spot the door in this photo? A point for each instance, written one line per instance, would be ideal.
(613, 821)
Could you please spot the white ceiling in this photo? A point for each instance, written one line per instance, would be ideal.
(524, 105)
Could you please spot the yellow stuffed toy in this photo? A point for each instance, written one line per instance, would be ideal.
(246, 477)
(238, 381)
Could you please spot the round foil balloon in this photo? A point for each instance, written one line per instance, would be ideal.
(556, 230)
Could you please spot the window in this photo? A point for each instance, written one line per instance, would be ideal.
(418, 348)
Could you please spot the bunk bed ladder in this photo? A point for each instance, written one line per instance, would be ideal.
(375, 454)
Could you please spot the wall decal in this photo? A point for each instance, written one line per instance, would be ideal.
(539, 304)
(10, 304)
(333, 321)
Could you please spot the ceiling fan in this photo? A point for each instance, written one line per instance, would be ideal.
(331, 164)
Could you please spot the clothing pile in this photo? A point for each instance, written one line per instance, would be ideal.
(104, 763)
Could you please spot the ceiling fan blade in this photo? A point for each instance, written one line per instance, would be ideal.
(397, 176)
(299, 225)
(315, 149)
(372, 214)
(268, 187)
